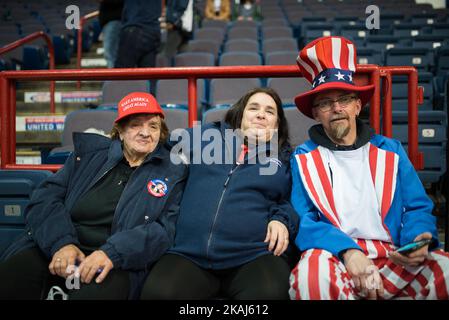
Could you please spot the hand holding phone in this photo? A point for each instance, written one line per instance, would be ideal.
(413, 246)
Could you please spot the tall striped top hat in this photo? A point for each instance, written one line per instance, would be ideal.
(329, 63)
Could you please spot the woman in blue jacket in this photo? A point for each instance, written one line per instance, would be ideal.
(96, 226)
(235, 220)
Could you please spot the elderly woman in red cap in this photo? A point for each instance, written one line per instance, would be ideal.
(96, 226)
(358, 196)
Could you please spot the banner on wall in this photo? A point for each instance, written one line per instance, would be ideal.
(63, 97)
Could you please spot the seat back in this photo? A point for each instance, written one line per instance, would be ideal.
(289, 88)
(281, 44)
(215, 114)
(281, 58)
(298, 126)
(240, 59)
(239, 45)
(16, 187)
(228, 91)
(82, 120)
(194, 59)
(114, 91)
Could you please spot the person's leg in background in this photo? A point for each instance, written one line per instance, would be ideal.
(149, 46)
(25, 276)
(265, 278)
(129, 48)
(176, 277)
(174, 40)
(111, 39)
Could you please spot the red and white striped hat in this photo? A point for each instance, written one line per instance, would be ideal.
(328, 63)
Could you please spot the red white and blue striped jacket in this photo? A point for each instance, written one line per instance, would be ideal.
(405, 208)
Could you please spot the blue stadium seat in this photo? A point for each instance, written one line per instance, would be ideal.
(209, 46)
(298, 125)
(228, 91)
(194, 59)
(215, 114)
(369, 56)
(243, 33)
(277, 32)
(275, 22)
(80, 121)
(442, 59)
(440, 29)
(420, 58)
(424, 18)
(215, 34)
(313, 31)
(173, 93)
(400, 85)
(428, 41)
(114, 90)
(432, 135)
(176, 117)
(405, 30)
(215, 24)
(400, 93)
(281, 58)
(356, 32)
(240, 59)
(389, 19)
(240, 45)
(382, 42)
(34, 58)
(275, 45)
(16, 187)
(288, 88)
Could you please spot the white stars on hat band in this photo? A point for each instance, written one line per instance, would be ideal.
(333, 75)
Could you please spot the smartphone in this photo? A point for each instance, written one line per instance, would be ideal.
(413, 246)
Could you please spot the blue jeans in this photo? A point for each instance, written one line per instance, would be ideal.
(111, 38)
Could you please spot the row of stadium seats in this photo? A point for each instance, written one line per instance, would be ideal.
(21, 18)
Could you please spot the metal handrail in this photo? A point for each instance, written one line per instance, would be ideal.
(51, 52)
(8, 79)
(79, 51)
(414, 91)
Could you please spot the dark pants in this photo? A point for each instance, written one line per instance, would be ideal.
(137, 48)
(176, 42)
(25, 276)
(175, 277)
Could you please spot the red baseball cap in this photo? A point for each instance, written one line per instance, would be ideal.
(138, 102)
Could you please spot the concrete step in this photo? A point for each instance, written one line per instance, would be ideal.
(47, 139)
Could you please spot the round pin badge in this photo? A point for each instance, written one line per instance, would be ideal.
(157, 188)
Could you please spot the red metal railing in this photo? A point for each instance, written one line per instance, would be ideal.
(79, 51)
(415, 97)
(367, 73)
(51, 52)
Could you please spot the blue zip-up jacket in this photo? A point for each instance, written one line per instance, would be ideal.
(143, 226)
(226, 208)
(409, 215)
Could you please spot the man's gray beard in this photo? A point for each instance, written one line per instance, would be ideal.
(339, 131)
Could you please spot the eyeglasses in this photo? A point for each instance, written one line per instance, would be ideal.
(326, 104)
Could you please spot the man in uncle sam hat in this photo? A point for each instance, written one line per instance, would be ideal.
(358, 196)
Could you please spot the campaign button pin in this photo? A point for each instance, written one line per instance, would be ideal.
(157, 188)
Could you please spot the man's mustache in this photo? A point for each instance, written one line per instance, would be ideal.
(340, 118)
